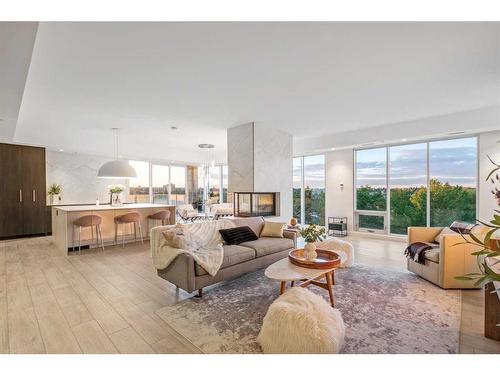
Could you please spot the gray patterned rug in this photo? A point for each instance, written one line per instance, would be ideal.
(385, 311)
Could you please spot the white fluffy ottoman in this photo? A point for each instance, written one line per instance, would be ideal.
(300, 321)
(343, 248)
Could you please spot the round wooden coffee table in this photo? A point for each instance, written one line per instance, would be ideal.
(284, 271)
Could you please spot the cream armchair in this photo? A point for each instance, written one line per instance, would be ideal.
(453, 258)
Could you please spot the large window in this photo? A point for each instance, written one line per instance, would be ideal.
(309, 189)
(214, 183)
(408, 187)
(431, 183)
(161, 183)
(224, 183)
(177, 185)
(139, 186)
(453, 170)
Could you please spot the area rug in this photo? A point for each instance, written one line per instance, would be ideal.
(384, 310)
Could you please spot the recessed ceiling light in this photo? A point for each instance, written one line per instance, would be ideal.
(404, 140)
(333, 149)
(61, 150)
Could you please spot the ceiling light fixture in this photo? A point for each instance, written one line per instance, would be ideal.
(209, 147)
(61, 150)
(404, 140)
(116, 168)
(173, 127)
(456, 133)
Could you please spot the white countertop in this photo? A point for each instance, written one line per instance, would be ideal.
(107, 207)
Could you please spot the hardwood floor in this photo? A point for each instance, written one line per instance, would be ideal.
(105, 302)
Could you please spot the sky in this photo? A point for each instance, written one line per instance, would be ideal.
(314, 171)
(453, 161)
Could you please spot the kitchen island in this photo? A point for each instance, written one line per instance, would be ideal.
(63, 217)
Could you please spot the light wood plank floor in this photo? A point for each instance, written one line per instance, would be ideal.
(105, 302)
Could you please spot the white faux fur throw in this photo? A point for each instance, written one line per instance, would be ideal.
(300, 321)
(207, 250)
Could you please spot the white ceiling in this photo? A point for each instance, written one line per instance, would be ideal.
(304, 78)
(16, 46)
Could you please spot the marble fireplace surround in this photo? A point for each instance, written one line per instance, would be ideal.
(260, 159)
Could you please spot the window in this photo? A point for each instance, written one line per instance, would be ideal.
(177, 185)
(431, 183)
(139, 186)
(161, 183)
(214, 183)
(297, 189)
(453, 170)
(314, 189)
(371, 179)
(224, 184)
(309, 189)
(407, 187)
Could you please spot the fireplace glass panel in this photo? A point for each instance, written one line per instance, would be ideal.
(256, 204)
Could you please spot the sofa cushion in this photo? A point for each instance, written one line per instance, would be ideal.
(269, 245)
(233, 254)
(255, 223)
(432, 255)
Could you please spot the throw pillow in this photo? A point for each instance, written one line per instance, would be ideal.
(462, 227)
(235, 236)
(272, 229)
(444, 231)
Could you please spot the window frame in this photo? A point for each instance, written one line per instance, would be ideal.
(387, 212)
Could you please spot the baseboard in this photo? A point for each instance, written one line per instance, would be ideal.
(378, 236)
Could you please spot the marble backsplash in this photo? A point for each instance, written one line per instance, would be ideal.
(77, 175)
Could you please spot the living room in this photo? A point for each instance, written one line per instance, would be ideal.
(250, 188)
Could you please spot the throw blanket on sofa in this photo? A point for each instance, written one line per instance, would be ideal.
(416, 251)
(205, 246)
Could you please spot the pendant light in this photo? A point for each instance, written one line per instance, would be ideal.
(116, 168)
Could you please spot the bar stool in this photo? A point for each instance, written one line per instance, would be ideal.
(162, 215)
(130, 218)
(85, 222)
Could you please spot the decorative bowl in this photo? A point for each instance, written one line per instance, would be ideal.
(324, 260)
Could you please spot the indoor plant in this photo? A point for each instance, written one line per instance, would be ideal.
(488, 256)
(114, 194)
(53, 192)
(311, 234)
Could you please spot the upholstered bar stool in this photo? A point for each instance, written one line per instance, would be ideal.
(133, 219)
(162, 216)
(86, 222)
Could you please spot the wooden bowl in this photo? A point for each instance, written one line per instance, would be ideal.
(326, 259)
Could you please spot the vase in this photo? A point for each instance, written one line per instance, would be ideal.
(116, 200)
(310, 251)
(54, 199)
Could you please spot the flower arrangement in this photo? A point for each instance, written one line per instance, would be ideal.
(54, 189)
(114, 194)
(116, 189)
(313, 233)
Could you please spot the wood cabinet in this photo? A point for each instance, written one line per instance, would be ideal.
(22, 191)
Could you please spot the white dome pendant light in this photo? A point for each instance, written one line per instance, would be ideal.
(116, 168)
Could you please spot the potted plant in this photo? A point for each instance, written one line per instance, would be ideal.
(53, 192)
(114, 194)
(311, 234)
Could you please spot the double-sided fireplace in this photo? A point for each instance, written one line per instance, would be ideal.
(256, 204)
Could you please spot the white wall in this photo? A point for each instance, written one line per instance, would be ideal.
(487, 146)
(77, 175)
(339, 170)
